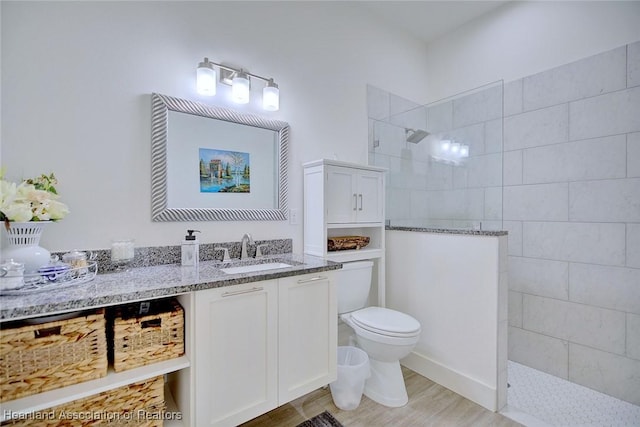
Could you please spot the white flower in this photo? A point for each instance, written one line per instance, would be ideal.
(31, 200)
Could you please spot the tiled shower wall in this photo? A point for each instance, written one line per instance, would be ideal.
(572, 209)
(425, 192)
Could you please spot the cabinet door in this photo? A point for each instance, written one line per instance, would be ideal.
(370, 201)
(308, 326)
(341, 195)
(236, 353)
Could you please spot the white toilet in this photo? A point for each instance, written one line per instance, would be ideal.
(385, 335)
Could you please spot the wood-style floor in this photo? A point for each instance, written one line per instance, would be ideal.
(430, 404)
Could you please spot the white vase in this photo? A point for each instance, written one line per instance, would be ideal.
(23, 245)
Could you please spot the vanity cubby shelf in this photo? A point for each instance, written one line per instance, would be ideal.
(52, 398)
(345, 199)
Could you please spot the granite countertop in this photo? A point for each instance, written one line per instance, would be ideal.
(158, 281)
(450, 231)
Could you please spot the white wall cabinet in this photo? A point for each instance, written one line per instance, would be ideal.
(355, 195)
(262, 344)
(345, 199)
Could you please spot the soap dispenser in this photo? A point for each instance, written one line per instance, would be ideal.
(190, 249)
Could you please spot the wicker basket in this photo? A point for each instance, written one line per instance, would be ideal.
(36, 358)
(140, 404)
(139, 340)
(344, 243)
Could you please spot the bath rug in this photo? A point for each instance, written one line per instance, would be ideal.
(324, 419)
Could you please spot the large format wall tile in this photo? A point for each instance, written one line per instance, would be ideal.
(615, 200)
(617, 288)
(493, 203)
(377, 103)
(595, 75)
(540, 352)
(456, 204)
(493, 136)
(477, 107)
(599, 158)
(540, 202)
(633, 336)
(537, 128)
(610, 114)
(514, 230)
(540, 277)
(633, 64)
(485, 170)
(472, 135)
(581, 242)
(515, 309)
(406, 113)
(512, 169)
(633, 245)
(633, 155)
(513, 98)
(614, 375)
(440, 117)
(577, 323)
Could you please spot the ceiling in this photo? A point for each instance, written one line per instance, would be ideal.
(428, 20)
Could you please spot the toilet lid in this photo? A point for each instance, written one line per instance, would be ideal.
(386, 321)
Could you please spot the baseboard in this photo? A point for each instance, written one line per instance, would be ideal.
(460, 383)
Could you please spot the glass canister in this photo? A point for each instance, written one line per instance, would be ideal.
(11, 275)
(78, 261)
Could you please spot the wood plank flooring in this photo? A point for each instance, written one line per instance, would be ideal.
(430, 404)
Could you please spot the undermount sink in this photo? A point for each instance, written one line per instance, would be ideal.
(255, 267)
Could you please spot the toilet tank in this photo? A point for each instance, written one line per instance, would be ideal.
(353, 283)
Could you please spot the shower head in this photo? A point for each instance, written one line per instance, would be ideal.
(415, 135)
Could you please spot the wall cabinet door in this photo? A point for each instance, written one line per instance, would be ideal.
(370, 197)
(353, 195)
(236, 354)
(341, 195)
(308, 325)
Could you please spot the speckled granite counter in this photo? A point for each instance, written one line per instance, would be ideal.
(450, 231)
(152, 282)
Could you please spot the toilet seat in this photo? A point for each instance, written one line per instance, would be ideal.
(387, 322)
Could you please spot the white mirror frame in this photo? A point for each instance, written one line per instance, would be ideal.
(160, 107)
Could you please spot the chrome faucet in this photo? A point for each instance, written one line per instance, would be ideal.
(246, 238)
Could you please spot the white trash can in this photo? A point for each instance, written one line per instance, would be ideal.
(353, 371)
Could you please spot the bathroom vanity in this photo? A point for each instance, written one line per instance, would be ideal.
(255, 338)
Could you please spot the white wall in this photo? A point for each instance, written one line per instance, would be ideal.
(455, 286)
(77, 79)
(523, 38)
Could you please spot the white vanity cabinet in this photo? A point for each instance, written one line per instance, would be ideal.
(236, 353)
(308, 318)
(260, 345)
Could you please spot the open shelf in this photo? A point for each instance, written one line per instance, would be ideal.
(112, 380)
(354, 255)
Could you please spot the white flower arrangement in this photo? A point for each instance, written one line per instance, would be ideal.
(31, 200)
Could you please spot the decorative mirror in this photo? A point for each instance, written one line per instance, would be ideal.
(214, 164)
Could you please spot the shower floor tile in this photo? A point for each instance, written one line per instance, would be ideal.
(537, 399)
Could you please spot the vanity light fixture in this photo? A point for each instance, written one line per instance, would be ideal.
(240, 82)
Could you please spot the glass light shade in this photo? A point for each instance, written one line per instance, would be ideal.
(206, 80)
(271, 98)
(455, 149)
(240, 88)
(445, 146)
(464, 151)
